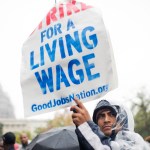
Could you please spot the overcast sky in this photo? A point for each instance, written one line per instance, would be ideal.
(128, 23)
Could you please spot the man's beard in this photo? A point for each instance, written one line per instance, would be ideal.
(24, 144)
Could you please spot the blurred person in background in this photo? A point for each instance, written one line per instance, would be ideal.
(9, 140)
(16, 146)
(24, 141)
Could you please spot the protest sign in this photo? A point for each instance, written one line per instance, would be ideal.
(68, 55)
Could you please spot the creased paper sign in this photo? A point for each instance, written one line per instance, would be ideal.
(68, 55)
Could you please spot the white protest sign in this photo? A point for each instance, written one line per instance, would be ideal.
(68, 55)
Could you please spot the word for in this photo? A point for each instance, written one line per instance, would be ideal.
(55, 30)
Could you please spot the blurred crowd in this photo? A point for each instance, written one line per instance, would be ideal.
(8, 141)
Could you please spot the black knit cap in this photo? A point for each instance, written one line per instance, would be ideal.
(103, 104)
(9, 138)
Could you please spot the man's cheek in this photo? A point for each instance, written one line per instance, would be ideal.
(100, 124)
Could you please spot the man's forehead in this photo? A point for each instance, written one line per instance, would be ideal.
(104, 110)
(23, 135)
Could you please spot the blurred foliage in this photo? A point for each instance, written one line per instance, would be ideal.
(61, 119)
(142, 113)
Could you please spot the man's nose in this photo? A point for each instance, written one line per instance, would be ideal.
(107, 118)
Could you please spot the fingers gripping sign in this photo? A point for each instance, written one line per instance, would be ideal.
(80, 113)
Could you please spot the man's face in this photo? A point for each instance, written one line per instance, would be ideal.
(106, 119)
(24, 139)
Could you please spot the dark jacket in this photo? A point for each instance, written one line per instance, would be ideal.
(84, 143)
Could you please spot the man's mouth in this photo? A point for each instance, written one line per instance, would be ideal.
(107, 127)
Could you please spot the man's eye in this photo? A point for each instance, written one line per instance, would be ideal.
(112, 114)
(100, 116)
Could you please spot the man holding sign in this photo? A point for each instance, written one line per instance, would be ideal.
(110, 129)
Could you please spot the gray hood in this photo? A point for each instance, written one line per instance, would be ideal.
(124, 116)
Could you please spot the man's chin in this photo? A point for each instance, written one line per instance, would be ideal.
(107, 133)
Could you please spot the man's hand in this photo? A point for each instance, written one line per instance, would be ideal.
(80, 114)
